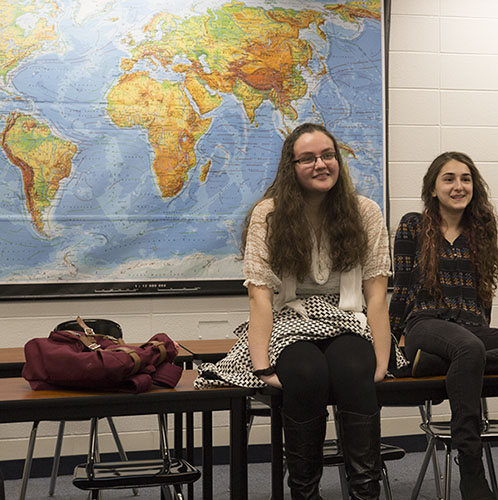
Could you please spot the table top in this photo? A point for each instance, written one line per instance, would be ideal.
(18, 403)
(210, 350)
(406, 391)
(11, 361)
(12, 355)
(15, 355)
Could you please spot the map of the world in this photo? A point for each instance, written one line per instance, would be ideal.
(135, 136)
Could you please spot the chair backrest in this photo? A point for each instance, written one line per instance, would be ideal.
(102, 326)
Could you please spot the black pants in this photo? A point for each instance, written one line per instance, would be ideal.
(464, 348)
(340, 369)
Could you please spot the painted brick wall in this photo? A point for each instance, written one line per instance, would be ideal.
(443, 95)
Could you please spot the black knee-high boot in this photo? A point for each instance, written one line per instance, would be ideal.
(304, 454)
(473, 484)
(360, 437)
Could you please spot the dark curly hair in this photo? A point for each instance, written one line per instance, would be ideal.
(289, 237)
(478, 225)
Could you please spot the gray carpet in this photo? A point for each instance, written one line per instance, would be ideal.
(402, 475)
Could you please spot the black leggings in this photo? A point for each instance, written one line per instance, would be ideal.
(339, 369)
(465, 348)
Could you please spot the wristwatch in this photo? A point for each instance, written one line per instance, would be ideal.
(265, 371)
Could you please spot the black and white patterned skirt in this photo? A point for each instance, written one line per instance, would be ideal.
(324, 320)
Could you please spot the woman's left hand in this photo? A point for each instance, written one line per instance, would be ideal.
(272, 380)
(380, 374)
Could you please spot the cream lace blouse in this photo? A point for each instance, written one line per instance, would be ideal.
(321, 280)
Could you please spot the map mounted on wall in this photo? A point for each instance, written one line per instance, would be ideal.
(136, 135)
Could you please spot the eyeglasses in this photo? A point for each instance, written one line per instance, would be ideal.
(310, 160)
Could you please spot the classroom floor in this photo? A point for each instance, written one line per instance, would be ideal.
(402, 475)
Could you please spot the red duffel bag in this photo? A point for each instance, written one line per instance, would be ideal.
(87, 360)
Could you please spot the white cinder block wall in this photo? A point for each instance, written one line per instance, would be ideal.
(443, 92)
(443, 95)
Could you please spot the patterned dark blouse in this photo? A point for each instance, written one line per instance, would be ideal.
(457, 278)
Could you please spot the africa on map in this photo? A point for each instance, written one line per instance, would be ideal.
(136, 135)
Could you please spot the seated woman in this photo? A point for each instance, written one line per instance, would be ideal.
(313, 249)
(446, 271)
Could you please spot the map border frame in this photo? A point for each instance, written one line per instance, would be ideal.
(75, 290)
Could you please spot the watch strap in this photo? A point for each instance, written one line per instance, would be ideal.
(264, 371)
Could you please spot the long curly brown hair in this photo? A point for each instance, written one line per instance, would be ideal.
(289, 237)
(478, 226)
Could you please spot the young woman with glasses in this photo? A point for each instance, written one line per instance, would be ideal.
(313, 251)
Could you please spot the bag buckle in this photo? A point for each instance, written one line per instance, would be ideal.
(94, 346)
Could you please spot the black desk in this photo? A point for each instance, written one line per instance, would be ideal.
(18, 403)
(390, 392)
(11, 361)
(209, 350)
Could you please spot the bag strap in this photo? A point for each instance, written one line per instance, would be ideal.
(91, 332)
(86, 339)
(133, 355)
(163, 352)
(86, 328)
(128, 350)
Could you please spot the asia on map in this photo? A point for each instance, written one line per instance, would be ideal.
(136, 135)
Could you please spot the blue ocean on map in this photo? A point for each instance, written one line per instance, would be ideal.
(108, 221)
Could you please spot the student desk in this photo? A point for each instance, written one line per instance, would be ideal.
(11, 361)
(18, 403)
(200, 351)
(209, 350)
(390, 392)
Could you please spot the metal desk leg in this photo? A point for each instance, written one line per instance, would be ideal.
(423, 469)
(2, 489)
(29, 459)
(189, 417)
(178, 433)
(277, 457)
(207, 455)
(189, 425)
(238, 450)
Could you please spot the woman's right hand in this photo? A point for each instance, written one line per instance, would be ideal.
(272, 380)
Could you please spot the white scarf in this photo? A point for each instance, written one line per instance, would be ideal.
(350, 290)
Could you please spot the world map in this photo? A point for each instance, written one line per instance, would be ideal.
(135, 136)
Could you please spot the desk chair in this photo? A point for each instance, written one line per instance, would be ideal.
(101, 326)
(332, 453)
(165, 472)
(439, 431)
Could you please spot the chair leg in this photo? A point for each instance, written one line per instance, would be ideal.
(29, 459)
(491, 468)
(385, 481)
(437, 474)
(178, 492)
(95, 495)
(57, 458)
(165, 493)
(94, 454)
(119, 445)
(447, 479)
(423, 469)
(344, 482)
